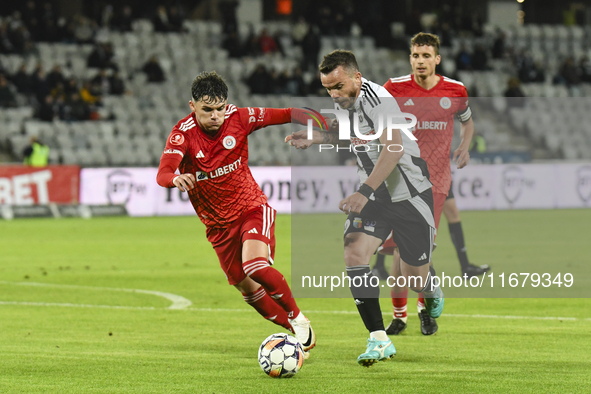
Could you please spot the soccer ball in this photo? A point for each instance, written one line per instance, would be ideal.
(281, 356)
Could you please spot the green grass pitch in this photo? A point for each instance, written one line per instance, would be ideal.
(71, 322)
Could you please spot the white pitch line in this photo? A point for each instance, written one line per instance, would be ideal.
(77, 305)
(236, 310)
(178, 302)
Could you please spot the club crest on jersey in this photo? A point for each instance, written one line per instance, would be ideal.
(445, 102)
(360, 118)
(229, 142)
(177, 139)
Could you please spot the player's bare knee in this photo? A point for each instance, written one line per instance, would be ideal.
(247, 286)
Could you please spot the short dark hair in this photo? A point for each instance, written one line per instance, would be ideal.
(426, 39)
(209, 84)
(338, 57)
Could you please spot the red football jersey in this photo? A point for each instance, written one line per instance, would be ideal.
(435, 110)
(225, 187)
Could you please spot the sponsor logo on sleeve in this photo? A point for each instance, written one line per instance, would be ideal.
(173, 151)
(177, 139)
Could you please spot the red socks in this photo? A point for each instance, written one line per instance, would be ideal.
(268, 308)
(274, 283)
(399, 303)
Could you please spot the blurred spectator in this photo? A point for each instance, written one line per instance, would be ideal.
(585, 69)
(176, 20)
(233, 45)
(315, 87)
(30, 17)
(101, 57)
(22, 81)
(514, 88)
(71, 87)
(153, 70)
(259, 81)
(123, 22)
(568, 74)
(117, 85)
(6, 45)
(479, 58)
(84, 29)
(267, 44)
(47, 111)
(478, 144)
(463, 59)
(295, 85)
(299, 31)
(40, 86)
(277, 81)
(251, 44)
(48, 30)
(514, 94)
(101, 83)
(475, 24)
(107, 16)
(7, 95)
(326, 20)
(498, 49)
(55, 77)
(59, 92)
(36, 154)
(19, 36)
(227, 10)
(87, 94)
(311, 49)
(527, 70)
(160, 21)
(76, 109)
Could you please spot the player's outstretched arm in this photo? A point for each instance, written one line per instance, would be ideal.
(461, 155)
(299, 139)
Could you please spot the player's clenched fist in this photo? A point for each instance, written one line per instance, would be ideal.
(184, 182)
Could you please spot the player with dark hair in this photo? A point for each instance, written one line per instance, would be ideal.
(394, 196)
(434, 100)
(210, 149)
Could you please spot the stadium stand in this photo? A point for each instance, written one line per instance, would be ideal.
(130, 129)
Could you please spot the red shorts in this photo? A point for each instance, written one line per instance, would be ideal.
(438, 201)
(258, 223)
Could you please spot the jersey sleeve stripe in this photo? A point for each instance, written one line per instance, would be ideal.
(446, 79)
(372, 97)
(231, 109)
(400, 79)
(465, 115)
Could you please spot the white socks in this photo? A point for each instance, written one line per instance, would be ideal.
(379, 335)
